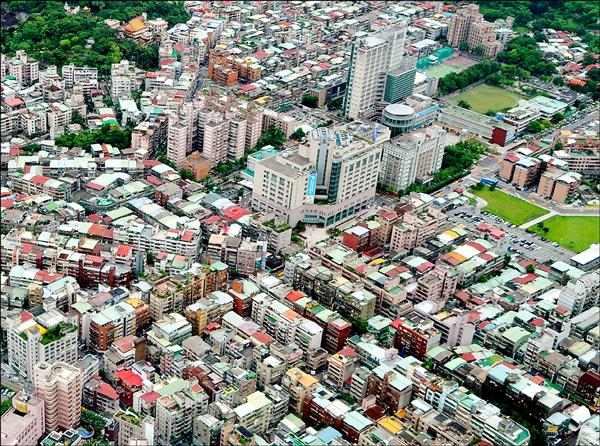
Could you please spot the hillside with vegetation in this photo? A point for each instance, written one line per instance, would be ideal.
(53, 37)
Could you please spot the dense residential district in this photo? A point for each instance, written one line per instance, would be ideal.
(300, 223)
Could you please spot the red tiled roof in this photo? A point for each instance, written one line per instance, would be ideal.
(150, 397)
(236, 212)
(511, 157)
(529, 277)
(246, 88)
(129, 377)
(94, 186)
(293, 296)
(95, 218)
(486, 256)
(108, 391)
(473, 316)
(537, 322)
(477, 246)
(537, 380)
(425, 266)
(347, 352)
(14, 102)
(153, 180)
(468, 357)
(262, 337)
(187, 236)
(562, 310)
(578, 82)
(212, 326)
(125, 344)
(39, 179)
(124, 250)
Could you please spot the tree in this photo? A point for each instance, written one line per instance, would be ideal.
(310, 101)
(150, 258)
(186, 174)
(557, 118)
(464, 46)
(594, 74)
(530, 268)
(478, 50)
(534, 126)
(298, 134)
(464, 104)
(359, 325)
(335, 103)
(273, 136)
(558, 145)
(76, 118)
(546, 230)
(558, 81)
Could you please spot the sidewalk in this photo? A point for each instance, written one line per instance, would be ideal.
(535, 221)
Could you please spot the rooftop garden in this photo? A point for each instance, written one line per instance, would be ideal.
(280, 228)
(130, 417)
(57, 332)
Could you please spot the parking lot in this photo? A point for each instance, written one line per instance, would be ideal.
(518, 242)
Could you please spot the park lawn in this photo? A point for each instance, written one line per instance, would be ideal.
(484, 97)
(509, 208)
(573, 233)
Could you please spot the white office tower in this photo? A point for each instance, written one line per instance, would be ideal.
(330, 177)
(59, 385)
(371, 59)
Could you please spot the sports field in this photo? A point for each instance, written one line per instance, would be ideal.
(453, 65)
(484, 97)
(509, 208)
(573, 233)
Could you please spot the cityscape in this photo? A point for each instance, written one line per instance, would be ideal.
(300, 223)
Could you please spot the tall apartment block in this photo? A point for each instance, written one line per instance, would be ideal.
(468, 25)
(411, 157)
(25, 72)
(23, 422)
(59, 385)
(124, 78)
(30, 342)
(84, 77)
(371, 59)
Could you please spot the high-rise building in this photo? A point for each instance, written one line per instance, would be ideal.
(59, 385)
(255, 413)
(327, 179)
(400, 82)
(24, 422)
(371, 59)
(207, 430)
(124, 78)
(25, 71)
(468, 25)
(85, 77)
(30, 342)
(581, 294)
(341, 367)
(177, 142)
(175, 414)
(411, 157)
